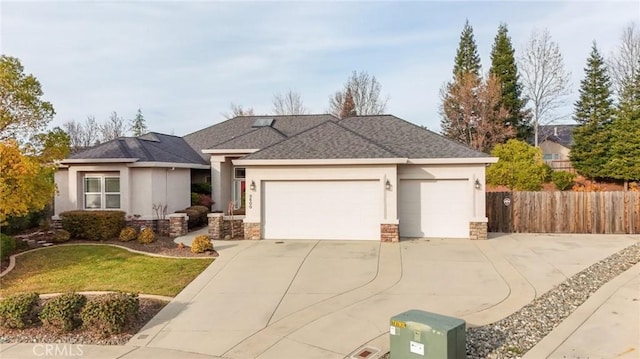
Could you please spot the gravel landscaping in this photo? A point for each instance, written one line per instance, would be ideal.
(514, 335)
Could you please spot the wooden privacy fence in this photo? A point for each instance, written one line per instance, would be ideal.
(564, 212)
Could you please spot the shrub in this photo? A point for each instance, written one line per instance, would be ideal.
(60, 236)
(19, 310)
(63, 312)
(194, 217)
(146, 236)
(202, 213)
(205, 200)
(93, 225)
(111, 313)
(128, 234)
(7, 245)
(563, 180)
(195, 198)
(520, 166)
(201, 188)
(15, 225)
(201, 244)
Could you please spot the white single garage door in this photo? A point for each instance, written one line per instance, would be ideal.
(322, 209)
(435, 208)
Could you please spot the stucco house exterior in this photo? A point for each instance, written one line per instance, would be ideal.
(307, 177)
(555, 143)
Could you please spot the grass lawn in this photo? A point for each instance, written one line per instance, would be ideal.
(86, 268)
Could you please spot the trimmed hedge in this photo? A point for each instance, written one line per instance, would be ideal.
(7, 245)
(110, 313)
(19, 310)
(63, 312)
(93, 225)
(146, 236)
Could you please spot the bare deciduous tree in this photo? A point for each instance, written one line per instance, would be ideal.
(113, 128)
(624, 63)
(544, 78)
(288, 104)
(472, 114)
(82, 135)
(237, 110)
(365, 90)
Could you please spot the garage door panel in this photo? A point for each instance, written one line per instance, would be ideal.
(321, 210)
(434, 208)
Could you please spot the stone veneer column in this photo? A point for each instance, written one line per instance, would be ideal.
(178, 224)
(252, 231)
(389, 232)
(478, 230)
(215, 225)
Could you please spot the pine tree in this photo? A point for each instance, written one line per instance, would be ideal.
(503, 66)
(467, 58)
(594, 112)
(138, 126)
(624, 151)
(348, 107)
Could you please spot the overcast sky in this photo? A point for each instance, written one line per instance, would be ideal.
(183, 63)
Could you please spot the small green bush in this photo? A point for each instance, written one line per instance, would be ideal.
(111, 313)
(93, 225)
(7, 245)
(563, 180)
(61, 236)
(195, 198)
(201, 244)
(146, 236)
(128, 234)
(19, 310)
(63, 312)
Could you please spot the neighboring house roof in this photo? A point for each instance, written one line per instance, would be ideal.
(561, 134)
(383, 136)
(212, 136)
(150, 147)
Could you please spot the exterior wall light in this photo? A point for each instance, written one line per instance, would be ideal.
(477, 184)
(388, 185)
(252, 186)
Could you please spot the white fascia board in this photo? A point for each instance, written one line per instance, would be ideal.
(230, 152)
(452, 161)
(337, 161)
(169, 165)
(98, 160)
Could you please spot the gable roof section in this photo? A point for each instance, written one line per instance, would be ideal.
(212, 136)
(562, 134)
(406, 139)
(329, 140)
(151, 147)
(259, 138)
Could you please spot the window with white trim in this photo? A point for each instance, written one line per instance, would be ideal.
(101, 192)
(239, 184)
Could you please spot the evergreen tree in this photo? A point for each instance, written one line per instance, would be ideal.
(594, 112)
(624, 151)
(467, 58)
(138, 126)
(503, 66)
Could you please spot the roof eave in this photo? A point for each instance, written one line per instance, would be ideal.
(230, 151)
(324, 161)
(448, 161)
(97, 160)
(169, 165)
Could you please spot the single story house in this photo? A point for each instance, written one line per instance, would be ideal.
(298, 177)
(555, 141)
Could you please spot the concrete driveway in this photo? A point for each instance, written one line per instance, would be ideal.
(327, 299)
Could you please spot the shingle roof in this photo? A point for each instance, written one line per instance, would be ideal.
(212, 136)
(256, 139)
(562, 134)
(406, 139)
(151, 147)
(328, 140)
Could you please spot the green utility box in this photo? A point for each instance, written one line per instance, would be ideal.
(420, 334)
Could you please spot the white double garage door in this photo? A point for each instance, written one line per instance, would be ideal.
(353, 209)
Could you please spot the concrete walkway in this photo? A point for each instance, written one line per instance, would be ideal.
(327, 299)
